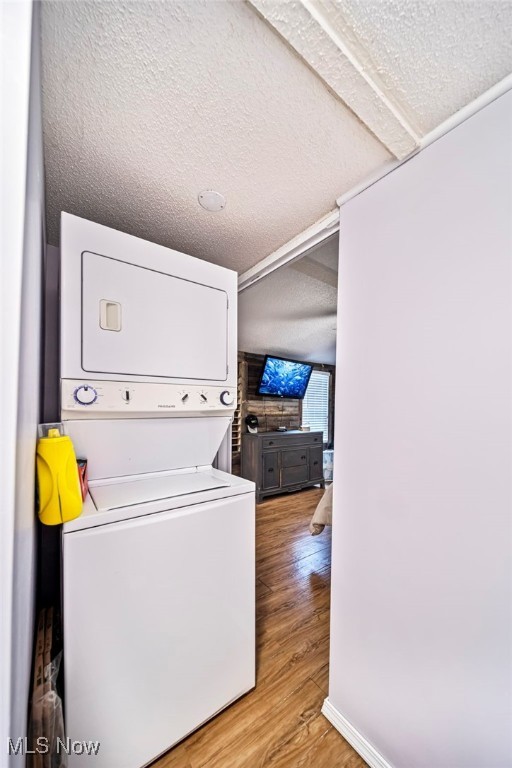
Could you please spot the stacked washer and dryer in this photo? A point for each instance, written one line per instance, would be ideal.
(158, 571)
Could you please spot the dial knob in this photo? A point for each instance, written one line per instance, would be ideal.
(226, 397)
(85, 395)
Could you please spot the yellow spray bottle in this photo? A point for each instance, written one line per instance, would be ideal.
(60, 497)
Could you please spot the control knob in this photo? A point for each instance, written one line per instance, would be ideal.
(226, 397)
(85, 395)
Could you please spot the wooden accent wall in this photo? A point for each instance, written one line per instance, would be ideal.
(272, 412)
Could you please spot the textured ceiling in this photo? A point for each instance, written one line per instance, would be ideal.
(431, 57)
(292, 312)
(281, 106)
(403, 66)
(307, 30)
(147, 103)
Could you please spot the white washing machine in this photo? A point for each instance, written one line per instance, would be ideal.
(158, 571)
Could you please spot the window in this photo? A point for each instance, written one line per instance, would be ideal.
(315, 406)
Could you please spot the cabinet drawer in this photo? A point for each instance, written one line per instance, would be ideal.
(294, 458)
(316, 463)
(292, 475)
(312, 438)
(280, 442)
(288, 441)
(270, 471)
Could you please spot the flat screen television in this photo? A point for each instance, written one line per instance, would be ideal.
(284, 378)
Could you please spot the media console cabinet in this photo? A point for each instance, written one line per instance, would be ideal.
(282, 461)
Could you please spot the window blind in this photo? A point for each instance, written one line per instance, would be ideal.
(315, 406)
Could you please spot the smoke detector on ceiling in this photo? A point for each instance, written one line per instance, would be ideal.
(211, 201)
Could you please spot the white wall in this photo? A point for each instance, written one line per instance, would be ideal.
(421, 644)
(21, 246)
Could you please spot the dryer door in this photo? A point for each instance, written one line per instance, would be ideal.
(141, 322)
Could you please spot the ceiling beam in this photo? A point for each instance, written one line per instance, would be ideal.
(339, 62)
(316, 270)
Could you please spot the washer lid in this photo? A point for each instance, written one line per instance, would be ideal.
(143, 494)
(129, 491)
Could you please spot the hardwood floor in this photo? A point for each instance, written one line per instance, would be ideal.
(278, 724)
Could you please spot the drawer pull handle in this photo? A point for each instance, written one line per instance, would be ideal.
(110, 315)
(303, 458)
(271, 442)
(316, 439)
(271, 469)
(315, 463)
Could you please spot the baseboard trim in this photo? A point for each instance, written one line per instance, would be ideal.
(354, 738)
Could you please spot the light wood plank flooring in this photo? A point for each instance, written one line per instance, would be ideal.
(278, 724)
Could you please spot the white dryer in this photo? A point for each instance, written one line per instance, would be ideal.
(158, 571)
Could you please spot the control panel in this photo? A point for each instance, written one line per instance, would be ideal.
(120, 399)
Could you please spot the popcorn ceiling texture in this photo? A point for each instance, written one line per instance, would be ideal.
(148, 103)
(431, 57)
(294, 22)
